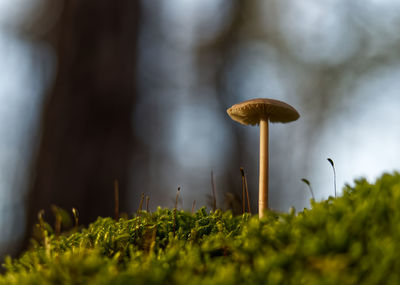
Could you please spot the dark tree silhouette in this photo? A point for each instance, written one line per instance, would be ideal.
(213, 63)
(87, 138)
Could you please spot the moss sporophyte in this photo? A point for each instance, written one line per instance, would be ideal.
(351, 239)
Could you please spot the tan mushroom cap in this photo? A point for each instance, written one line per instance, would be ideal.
(250, 112)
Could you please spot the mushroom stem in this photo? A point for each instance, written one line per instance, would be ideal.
(259, 112)
(263, 182)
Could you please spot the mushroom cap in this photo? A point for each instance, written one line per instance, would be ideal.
(250, 112)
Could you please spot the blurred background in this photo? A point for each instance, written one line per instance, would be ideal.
(93, 91)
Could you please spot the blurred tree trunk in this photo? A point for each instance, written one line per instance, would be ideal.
(213, 58)
(87, 137)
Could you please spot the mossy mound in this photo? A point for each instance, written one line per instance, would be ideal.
(353, 239)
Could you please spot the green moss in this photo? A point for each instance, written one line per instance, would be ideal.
(353, 239)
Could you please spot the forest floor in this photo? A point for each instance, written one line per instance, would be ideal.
(351, 239)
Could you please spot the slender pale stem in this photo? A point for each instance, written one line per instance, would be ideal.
(263, 182)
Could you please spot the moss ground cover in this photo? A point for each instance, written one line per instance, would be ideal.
(352, 239)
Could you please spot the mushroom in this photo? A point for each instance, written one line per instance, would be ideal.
(259, 112)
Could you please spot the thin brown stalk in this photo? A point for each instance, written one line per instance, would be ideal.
(309, 187)
(334, 174)
(193, 206)
(213, 191)
(175, 208)
(57, 223)
(141, 203)
(177, 198)
(243, 191)
(76, 217)
(140, 209)
(41, 224)
(40, 218)
(247, 194)
(44, 231)
(147, 203)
